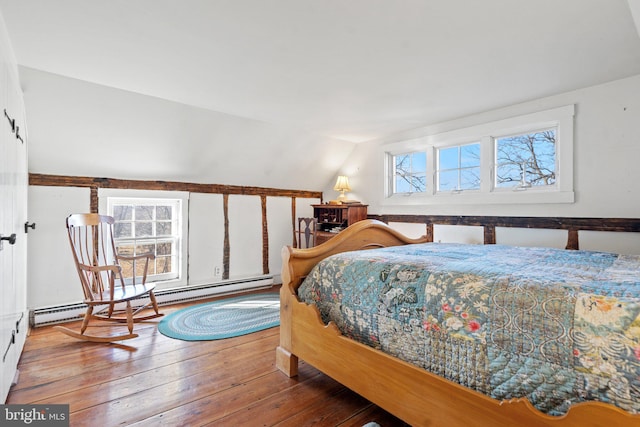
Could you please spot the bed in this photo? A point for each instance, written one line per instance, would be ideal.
(383, 369)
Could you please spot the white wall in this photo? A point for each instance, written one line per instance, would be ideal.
(606, 153)
(84, 129)
(80, 128)
(52, 278)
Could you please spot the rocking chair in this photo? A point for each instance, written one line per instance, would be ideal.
(103, 284)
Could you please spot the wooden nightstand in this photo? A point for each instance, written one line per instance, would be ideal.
(334, 218)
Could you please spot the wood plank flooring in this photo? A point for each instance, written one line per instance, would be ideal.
(153, 380)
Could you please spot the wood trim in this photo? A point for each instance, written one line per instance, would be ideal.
(557, 223)
(94, 184)
(226, 251)
(293, 222)
(572, 224)
(265, 236)
(85, 181)
(94, 203)
(572, 239)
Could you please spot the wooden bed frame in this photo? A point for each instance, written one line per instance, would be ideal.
(410, 393)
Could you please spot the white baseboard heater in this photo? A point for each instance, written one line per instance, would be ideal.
(71, 312)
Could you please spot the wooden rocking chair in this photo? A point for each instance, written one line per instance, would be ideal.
(103, 284)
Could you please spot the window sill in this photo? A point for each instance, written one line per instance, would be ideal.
(476, 198)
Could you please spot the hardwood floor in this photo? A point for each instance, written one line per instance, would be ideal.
(153, 380)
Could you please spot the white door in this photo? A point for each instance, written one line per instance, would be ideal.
(13, 215)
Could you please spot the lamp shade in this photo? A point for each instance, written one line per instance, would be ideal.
(342, 184)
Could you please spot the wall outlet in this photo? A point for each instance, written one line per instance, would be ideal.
(216, 271)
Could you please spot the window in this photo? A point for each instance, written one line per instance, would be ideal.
(526, 160)
(520, 159)
(459, 168)
(410, 172)
(148, 225)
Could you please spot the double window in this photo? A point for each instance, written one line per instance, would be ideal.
(488, 163)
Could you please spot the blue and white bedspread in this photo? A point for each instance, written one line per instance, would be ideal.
(555, 326)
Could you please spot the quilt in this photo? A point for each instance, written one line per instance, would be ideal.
(555, 326)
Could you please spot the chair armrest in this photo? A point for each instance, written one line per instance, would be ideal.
(144, 257)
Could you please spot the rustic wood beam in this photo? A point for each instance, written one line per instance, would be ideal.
(555, 223)
(226, 251)
(489, 235)
(94, 201)
(265, 236)
(93, 182)
(293, 222)
(572, 239)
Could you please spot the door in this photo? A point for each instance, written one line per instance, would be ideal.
(13, 215)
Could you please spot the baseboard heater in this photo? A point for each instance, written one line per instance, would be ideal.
(71, 312)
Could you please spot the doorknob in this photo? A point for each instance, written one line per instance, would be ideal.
(11, 239)
(28, 226)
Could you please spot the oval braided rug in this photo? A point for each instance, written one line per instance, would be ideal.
(225, 318)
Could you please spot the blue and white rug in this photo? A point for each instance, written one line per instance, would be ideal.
(225, 318)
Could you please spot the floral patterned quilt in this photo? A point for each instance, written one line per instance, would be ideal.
(555, 326)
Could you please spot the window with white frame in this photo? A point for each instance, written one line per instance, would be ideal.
(148, 226)
(522, 159)
(409, 172)
(458, 168)
(526, 160)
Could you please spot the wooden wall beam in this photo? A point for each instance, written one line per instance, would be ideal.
(556, 223)
(92, 182)
(265, 236)
(226, 250)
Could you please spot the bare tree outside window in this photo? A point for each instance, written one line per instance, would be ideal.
(147, 227)
(526, 160)
(410, 172)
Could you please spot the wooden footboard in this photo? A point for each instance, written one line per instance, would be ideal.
(410, 393)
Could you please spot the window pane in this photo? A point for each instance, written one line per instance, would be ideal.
(164, 248)
(470, 179)
(448, 158)
(163, 212)
(418, 162)
(409, 175)
(122, 230)
(163, 265)
(123, 212)
(470, 155)
(144, 229)
(526, 160)
(144, 213)
(125, 250)
(127, 269)
(418, 182)
(145, 249)
(402, 185)
(163, 229)
(459, 168)
(448, 180)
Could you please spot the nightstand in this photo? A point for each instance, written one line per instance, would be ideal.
(332, 219)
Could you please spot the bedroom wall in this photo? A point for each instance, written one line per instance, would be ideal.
(606, 153)
(82, 129)
(606, 172)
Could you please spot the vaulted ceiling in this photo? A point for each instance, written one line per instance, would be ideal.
(349, 69)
